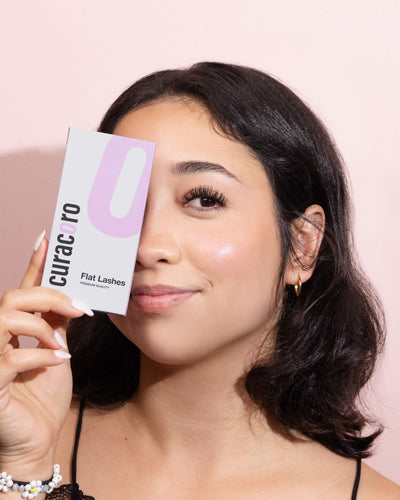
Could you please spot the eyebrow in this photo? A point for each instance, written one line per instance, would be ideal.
(194, 167)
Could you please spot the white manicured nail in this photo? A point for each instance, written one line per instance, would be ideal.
(38, 240)
(62, 354)
(81, 306)
(60, 340)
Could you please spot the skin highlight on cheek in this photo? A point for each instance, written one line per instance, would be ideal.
(220, 253)
(226, 252)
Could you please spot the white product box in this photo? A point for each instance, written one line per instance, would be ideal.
(98, 218)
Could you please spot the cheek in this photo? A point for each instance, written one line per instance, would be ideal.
(216, 253)
(233, 253)
(241, 268)
(219, 253)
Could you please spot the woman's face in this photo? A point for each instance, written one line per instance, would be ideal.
(209, 254)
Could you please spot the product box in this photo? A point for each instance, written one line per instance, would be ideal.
(98, 218)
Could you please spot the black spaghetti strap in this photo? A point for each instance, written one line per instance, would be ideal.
(75, 452)
(356, 480)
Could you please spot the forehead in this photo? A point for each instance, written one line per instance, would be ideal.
(167, 120)
(184, 130)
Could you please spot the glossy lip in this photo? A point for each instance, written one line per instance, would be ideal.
(159, 298)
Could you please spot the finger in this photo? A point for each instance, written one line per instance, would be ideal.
(44, 300)
(14, 323)
(15, 361)
(34, 272)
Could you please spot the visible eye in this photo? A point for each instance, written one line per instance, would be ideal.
(205, 198)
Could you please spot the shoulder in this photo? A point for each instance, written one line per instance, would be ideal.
(95, 422)
(330, 475)
(373, 485)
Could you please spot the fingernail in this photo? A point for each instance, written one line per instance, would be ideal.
(81, 306)
(38, 240)
(60, 340)
(62, 354)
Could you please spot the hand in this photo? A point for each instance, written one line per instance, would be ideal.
(35, 383)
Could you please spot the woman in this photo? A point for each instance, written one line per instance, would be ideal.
(250, 330)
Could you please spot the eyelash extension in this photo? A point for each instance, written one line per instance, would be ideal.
(209, 193)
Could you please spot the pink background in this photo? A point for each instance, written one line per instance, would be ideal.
(62, 64)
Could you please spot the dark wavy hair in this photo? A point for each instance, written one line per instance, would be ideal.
(328, 338)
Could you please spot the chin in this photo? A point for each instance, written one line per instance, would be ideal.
(171, 351)
(176, 340)
(161, 343)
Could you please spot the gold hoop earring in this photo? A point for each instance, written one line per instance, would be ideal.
(297, 286)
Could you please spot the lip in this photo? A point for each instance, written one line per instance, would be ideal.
(160, 298)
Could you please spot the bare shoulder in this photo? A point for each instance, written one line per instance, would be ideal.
(96, 422)
(373, 485)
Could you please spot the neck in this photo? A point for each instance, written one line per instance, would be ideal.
(203, 393)
(200, 412)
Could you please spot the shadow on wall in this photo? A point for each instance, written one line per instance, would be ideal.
(29, 183)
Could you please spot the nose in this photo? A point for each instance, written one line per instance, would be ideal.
(159, 242)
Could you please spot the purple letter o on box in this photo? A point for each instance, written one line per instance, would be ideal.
(68, 228)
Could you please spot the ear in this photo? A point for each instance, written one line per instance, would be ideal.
(307, 234)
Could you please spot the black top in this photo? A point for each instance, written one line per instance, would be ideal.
(72, 492)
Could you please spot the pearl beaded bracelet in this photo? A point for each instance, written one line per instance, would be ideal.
(31, 489)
